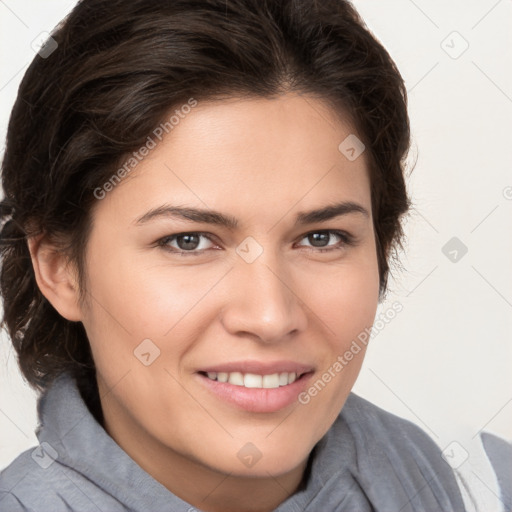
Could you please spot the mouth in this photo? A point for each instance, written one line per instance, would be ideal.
(254, 380)
(255, 387)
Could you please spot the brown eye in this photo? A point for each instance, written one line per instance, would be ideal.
(185, 243)
(320, 239)
(188, 242)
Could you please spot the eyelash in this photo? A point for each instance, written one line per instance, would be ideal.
(346, 240)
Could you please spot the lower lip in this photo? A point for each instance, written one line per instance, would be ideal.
(257, 399)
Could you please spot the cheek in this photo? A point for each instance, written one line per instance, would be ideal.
(133, 301)
(345, 297)
(143, 299)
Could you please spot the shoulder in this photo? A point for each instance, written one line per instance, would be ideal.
(397, 463)
(27, 486)
(387, 426)
(36, 482)
(499, 453)
(61, 472)
(483, 476)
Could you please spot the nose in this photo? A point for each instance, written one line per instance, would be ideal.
(264, 301)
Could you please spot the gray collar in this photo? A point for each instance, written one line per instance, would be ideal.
(368, 460)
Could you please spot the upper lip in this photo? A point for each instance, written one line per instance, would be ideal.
(260, 367)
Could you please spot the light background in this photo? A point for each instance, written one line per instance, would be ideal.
(445, 361)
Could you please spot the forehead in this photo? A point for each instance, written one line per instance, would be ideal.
(249, 155)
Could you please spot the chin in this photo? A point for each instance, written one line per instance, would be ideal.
(253, 460)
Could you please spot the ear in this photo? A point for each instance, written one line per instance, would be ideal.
(55, 277)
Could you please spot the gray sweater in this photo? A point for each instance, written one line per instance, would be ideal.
(369, 460)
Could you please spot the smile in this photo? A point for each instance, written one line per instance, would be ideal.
(256, 392)
(253, 380)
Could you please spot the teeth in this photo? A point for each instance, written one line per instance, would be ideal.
(236, 378)
(271, 381)
(252, 380)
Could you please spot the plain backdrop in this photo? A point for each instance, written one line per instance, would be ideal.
(444, 362)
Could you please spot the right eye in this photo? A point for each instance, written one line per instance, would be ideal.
(187, 243)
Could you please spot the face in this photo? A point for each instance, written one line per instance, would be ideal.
(258, 287)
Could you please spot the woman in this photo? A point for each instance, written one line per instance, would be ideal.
(201, 202)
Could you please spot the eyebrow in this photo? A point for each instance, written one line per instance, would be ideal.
(229, 222)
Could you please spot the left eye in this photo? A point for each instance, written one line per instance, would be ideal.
(190, 243)
(322, 237)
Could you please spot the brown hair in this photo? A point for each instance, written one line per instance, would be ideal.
(119, 68)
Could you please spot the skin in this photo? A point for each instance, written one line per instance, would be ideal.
(261, 161)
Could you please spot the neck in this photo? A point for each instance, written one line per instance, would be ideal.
(204, 487)
(192, 481)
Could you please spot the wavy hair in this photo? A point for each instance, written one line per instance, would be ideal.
(120, 66)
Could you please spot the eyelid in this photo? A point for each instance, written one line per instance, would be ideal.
(347, 240)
